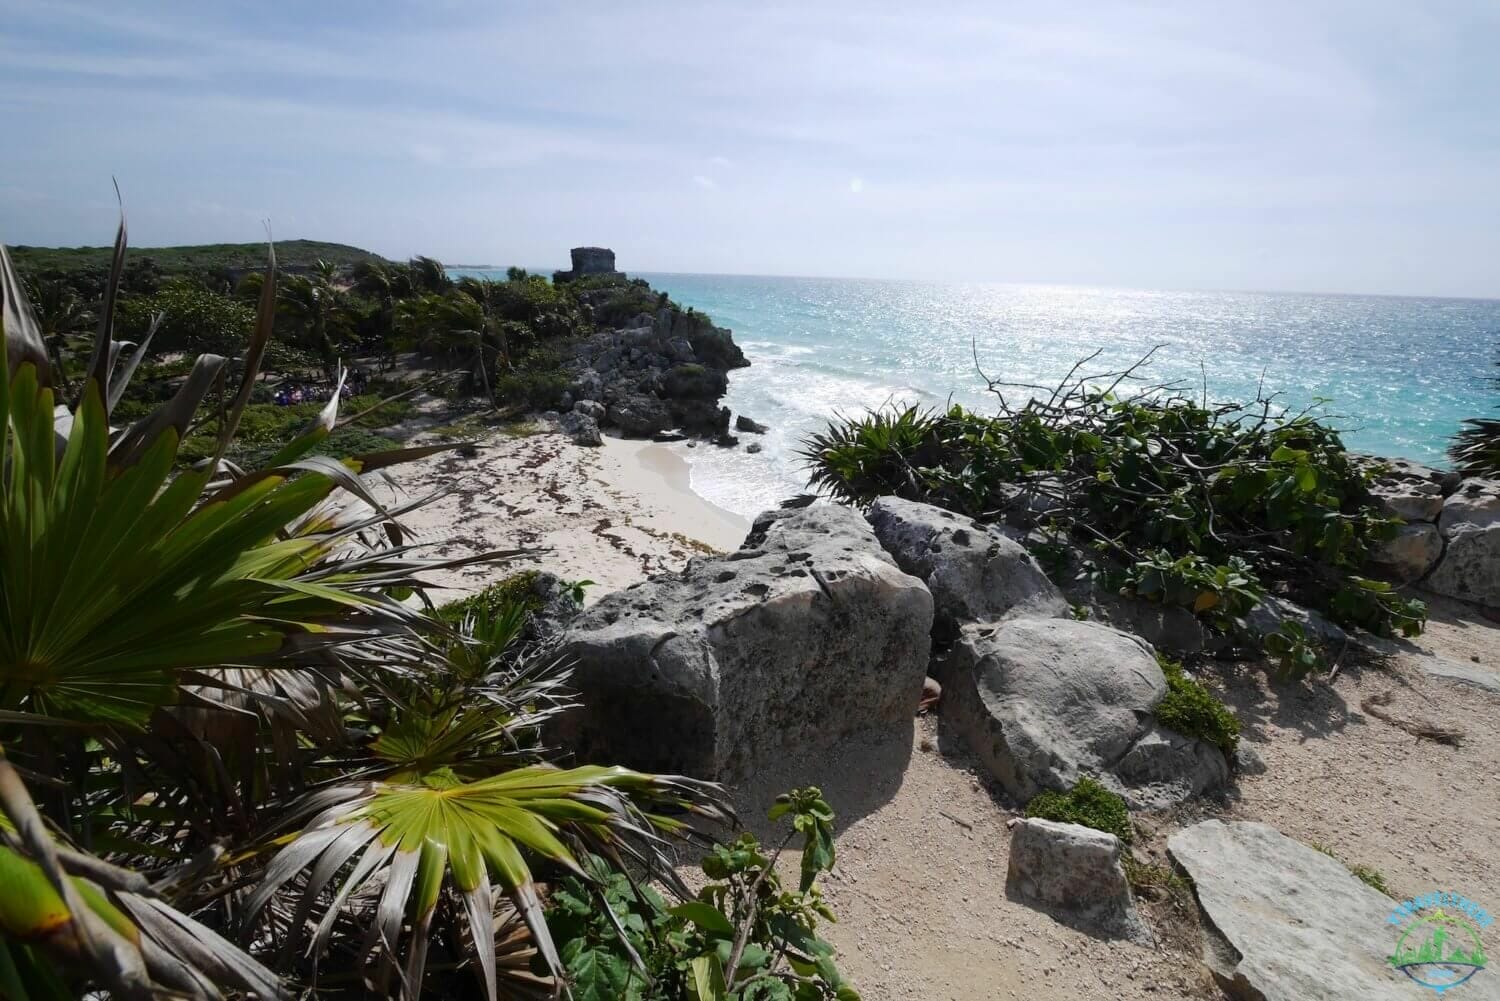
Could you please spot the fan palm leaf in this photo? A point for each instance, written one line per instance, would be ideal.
(415, 837)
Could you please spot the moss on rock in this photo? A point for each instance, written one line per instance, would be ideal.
(1194, 711)
(1087, 803)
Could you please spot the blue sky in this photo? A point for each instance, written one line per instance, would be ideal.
(1300, 146)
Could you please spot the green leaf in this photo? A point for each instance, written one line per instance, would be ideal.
(597, 974)
(705, 916)
(706, 979)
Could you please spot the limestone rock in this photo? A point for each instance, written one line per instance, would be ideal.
(1470, 523)
(1075, 874)
(1042, 701)
(745, 424)
(1464, 674)
(824, 526)
(1407, 490)
(1272, 612)
(1170, 628)
(1283, 922)
(582, 428)
(590, 408)
(975, 573)
(735, 663)
(1247, 760)
(1474, 505)
(640, 415)
(1411, 554)
(694, 382)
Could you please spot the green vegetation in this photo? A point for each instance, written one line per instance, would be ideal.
(1295, 653)
(518, 590)
(743, 937)
(1368, 875)
(1167, 498)
(1194, 711)
(234, 762)
(1372, 878)
(290, 254)
(1151, 880)
(1087, 803)
(1475, 450)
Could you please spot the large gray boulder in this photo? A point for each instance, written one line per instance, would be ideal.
(640, 415)
(1406, 489)
(1475, 504)
(975, 573)
(735, 663)
(1283, 922)
(1170, 628)
(1042, 701)
(1470, 524)
(1074, 873)
(1409, 556)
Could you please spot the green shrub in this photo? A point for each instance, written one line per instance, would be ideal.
(193, 319)
(1295, 653)
(537, 382)
(1087, 803)
(1194, 711)
(1205, 506)
(516, 590)
(688, 951)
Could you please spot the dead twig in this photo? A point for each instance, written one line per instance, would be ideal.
(961, 823)
(1417, 728)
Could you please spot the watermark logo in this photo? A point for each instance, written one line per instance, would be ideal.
(1439, 946)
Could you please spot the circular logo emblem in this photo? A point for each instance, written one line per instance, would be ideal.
(1439, 949)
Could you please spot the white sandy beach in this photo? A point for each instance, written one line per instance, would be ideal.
(613, 515)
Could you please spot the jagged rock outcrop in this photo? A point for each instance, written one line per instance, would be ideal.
(808, 634)
(975, 573)
(1284, 922)
(1470, 526)
(749, 425)
(1042, 701)
(1075, 874)
(661, 371)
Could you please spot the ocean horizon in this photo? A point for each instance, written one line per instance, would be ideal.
(1398, 374)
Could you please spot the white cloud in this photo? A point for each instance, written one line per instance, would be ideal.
(1222, 126)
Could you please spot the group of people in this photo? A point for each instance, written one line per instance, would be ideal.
(291, 393)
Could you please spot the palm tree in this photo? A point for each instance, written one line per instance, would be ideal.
(1475, 450)
(239, 731)
(60, 316)
(428, 275)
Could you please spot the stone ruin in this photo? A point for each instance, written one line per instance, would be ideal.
(589, 261)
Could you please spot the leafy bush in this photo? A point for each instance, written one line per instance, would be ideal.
(1295, 653)
(743, 920)
(517, 590)
(537, 382)
(1201, 505)
(1194, 711)
(193, 320)
(1087, 803)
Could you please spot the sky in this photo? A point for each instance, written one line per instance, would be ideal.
(1301, 146)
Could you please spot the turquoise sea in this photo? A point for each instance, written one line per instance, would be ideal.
(1399, 373)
